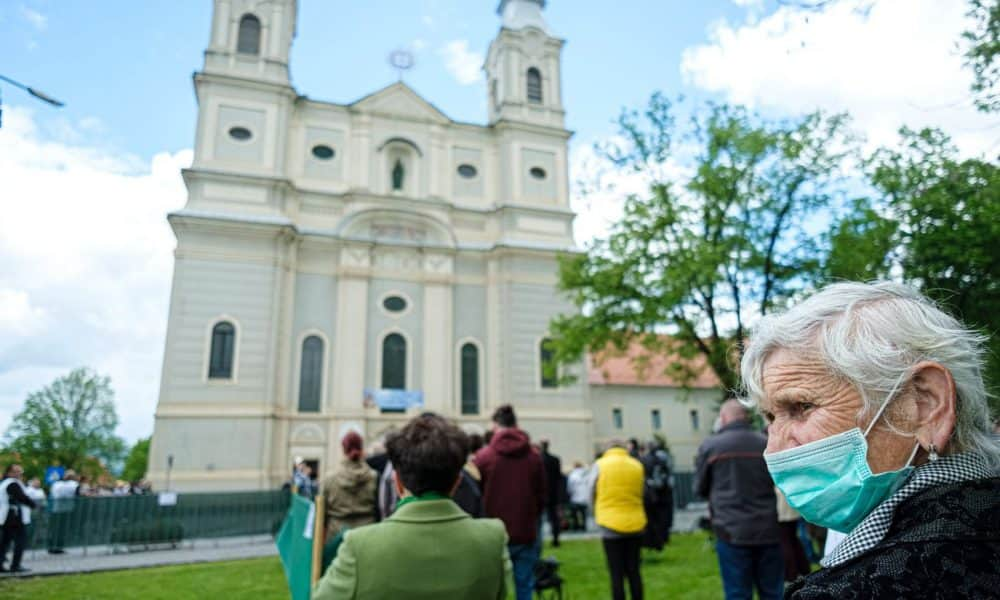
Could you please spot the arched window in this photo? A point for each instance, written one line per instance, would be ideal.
(398, 174)
(248, 41)
(220, 361)
(470, 379)
(394, 362)
(534, 86)
(311, 374)
(550, 377)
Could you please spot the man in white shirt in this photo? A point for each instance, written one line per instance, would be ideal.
(64, 495)
(579, 484)
(15, 513)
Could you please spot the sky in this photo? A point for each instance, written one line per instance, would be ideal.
(85, 249)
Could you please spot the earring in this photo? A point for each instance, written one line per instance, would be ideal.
(932, 453)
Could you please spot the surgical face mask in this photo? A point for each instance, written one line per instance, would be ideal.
(829, 481)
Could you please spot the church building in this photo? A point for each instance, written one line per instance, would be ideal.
(345, 266)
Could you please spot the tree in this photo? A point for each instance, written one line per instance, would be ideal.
(982, 53)
(71, 422)
(861, 244)
(948, 227)
(137, 461)
(701, 256)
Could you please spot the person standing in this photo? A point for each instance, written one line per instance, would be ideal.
(619, 513)
(37, 494)
(15, 513)
(513, 484)
(555, 487)
(658, 497)
(580, 487)
(349, 494)
(428, 549)
(63, 499)
(732, 474)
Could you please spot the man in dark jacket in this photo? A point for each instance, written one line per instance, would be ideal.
(732, 474)
(13, 505)
(513, 488)
(658, 496)
(555, 485)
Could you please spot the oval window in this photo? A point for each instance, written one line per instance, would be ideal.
(537, 172)
(394, 304)
(323, 152)
(240, 134)
(467, 171)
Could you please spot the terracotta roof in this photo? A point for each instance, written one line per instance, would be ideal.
(618, 368)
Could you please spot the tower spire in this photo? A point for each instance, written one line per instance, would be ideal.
(518, 14)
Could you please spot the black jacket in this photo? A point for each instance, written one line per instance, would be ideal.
(943, 543)
(732, 474)
(554, 480)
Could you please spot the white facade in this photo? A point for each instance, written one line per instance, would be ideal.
(303, 217)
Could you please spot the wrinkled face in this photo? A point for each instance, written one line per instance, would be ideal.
(803, 403)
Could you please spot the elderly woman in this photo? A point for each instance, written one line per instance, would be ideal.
(879, 428)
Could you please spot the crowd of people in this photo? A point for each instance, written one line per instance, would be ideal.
(503, 483)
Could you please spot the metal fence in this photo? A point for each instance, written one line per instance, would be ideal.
(684, 490)
(130, 521)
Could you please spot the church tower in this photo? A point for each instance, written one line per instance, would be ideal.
(523, 67)
(252, 39)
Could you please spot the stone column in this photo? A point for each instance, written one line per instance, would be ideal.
(438, 359)
(350, 343)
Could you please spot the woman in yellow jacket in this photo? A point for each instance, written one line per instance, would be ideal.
(619, 513)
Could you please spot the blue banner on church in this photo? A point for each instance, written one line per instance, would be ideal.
(394, 399)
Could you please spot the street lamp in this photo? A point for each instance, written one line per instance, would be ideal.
(36, 93)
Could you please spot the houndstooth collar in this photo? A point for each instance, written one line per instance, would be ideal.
(945, 470)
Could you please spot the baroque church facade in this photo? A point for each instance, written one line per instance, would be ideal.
(342, 267)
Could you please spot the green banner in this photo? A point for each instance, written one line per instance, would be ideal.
(295, 542)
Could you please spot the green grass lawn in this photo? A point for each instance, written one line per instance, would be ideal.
(685, 569)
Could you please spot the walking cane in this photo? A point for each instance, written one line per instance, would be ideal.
(319, 533)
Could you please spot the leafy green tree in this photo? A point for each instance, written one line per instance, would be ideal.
(700, 256)
(137, 461)
(861, 244)
(71, 422)
(983, 51)
(948, 214)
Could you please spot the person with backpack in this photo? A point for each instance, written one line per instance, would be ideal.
(658, 496)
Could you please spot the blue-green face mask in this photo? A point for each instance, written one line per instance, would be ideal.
(829, 481)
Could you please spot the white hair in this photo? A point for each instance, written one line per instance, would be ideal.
(872, 335)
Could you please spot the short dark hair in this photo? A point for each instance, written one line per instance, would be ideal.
(428, 454)
(504, 416)
(9, 469)
(475, 442)
(544, 444)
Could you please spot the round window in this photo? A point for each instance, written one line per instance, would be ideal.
(394, 304)
(467, 171)
(240, 134)
(537, 172)
(323, 152)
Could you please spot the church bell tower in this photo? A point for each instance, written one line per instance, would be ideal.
(523, 67)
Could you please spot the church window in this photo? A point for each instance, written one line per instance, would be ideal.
(240, 134)
(394, 362)
(616, 418)
(695, 421)
(550, 378)
(467, 171)
(394, 304)
(534, 86)
(248, 41)
(323, 152)
(538, 173)
(398, 173)
(220, 363)
(311, 374)
(470, 379)
(657, 422)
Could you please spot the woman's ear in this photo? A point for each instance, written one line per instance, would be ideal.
(935, 398)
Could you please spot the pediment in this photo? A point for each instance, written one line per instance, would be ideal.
(400, 101)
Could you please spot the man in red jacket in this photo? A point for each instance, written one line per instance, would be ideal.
(513, 485)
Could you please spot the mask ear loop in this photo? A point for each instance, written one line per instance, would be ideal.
(889, 398)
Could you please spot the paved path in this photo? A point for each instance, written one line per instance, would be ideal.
(105, 558)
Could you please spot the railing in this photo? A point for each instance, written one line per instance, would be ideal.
(130, 521)
(684, 490)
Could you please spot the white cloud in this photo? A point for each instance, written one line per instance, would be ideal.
(464, 64)
(85, 266)
(37, 19)
(893, 64)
